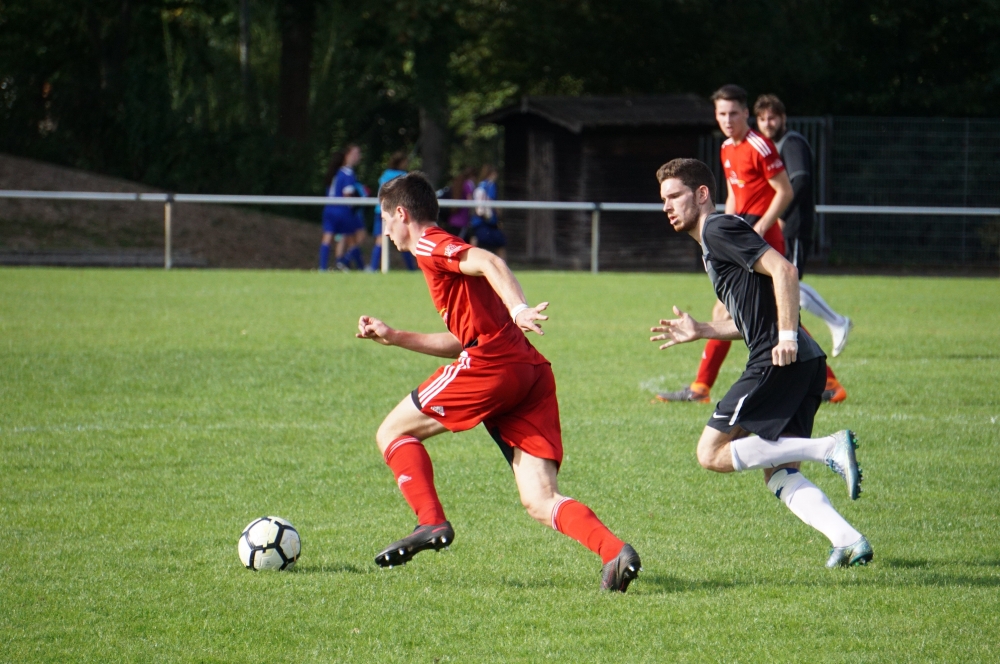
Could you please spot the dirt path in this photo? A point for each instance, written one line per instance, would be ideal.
(221, 236)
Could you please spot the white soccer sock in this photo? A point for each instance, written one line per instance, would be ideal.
(814, 303)
(807, 502)
(754, 452)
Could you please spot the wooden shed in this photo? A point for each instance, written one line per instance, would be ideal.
(601, 149)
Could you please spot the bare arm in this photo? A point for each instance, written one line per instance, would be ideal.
(730, 199)
(439, 344)
(786, 295)
(782, 197)
(683, 329)
(477, 262)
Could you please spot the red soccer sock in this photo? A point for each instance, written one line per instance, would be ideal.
(411, 465)
(578, 521)
(711, 361)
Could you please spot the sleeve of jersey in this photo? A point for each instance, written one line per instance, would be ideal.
(733, 240)
(798, 161)
(441, 254)
(772, 161)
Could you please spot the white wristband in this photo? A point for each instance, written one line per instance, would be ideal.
(788, 335)
(516, 310)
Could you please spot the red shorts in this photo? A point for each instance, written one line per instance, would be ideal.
(516, 402)
(774, 237)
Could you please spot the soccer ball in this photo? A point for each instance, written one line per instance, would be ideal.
(269, 542)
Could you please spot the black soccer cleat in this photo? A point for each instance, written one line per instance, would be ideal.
(437, 537)
(617, 574)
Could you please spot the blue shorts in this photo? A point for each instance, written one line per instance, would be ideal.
(342, 221)
(489, 236)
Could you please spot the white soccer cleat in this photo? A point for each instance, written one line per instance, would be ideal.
(840, 333)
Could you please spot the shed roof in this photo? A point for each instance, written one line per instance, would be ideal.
(579, 113)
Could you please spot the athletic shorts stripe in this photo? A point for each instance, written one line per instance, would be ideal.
(739, 405)
(443, 380)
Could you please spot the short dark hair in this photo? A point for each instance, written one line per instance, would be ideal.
(692, 172)
(730, 92)
(398, 160)
(768, 103)
(412, 191)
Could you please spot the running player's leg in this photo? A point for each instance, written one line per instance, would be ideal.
(714, 355)
(537, 485)
(784, 479)
(839, 324)
(531, 437)
(324, 251)
(712, 358)
(806, 501)
(539, 491)
(400, 439)
(774, 401)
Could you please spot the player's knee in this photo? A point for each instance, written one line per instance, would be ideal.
(385, 435)
(539, 510)
(706, 458)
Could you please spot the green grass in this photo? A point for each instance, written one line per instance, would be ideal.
(146, 417)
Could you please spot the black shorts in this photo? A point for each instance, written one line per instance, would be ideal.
(773, 401)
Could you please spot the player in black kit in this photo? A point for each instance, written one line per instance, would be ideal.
(797, 220)
(765, 420)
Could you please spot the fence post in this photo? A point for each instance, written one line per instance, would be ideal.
(168, 209)
(386, 248)
(595, 237)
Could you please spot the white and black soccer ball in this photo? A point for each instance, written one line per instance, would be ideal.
(269, 542)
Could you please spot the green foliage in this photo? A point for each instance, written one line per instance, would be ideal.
(146, 417)
(152, 90)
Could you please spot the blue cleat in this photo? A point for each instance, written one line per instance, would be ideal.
(859, 553)
(842, 461)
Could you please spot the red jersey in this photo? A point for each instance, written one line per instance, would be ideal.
(469, 306)
(748, 166)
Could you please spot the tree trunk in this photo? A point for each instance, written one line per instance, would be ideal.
(430, 68)
(245, 49)
(296, 18)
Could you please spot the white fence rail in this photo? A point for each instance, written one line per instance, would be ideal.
(167, 200)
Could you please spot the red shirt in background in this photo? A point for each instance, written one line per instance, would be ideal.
(748, 166)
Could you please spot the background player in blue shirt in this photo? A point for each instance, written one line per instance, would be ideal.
(486, 231)
(343, 221)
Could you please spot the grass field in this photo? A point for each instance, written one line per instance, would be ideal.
(146, 417)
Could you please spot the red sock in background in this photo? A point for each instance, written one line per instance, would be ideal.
(578, 521)
(829, 372)
(711, 361)
(414, 474)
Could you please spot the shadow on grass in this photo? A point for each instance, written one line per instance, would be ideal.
(664, 584)
(971, 356)
(331, 569)
(918, 572)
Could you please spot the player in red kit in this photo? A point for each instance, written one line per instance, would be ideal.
(758, 189)
(498, 379)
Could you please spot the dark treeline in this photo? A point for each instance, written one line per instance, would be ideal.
(250, 96)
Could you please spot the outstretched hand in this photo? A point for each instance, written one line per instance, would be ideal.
(526, 318)
(372, 328)
(676, 331)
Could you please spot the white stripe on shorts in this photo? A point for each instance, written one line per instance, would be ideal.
(736, 413)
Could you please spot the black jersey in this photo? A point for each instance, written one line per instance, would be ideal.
(730, 248)
(797, 155)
